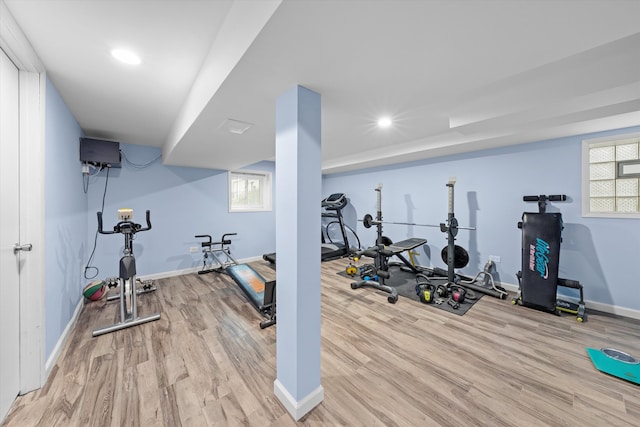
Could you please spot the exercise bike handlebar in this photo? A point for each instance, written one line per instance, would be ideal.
(125, 226)
(148, 219)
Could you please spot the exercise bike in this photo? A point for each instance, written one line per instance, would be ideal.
(127, 274)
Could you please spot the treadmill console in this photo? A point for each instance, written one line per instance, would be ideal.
(335, 202)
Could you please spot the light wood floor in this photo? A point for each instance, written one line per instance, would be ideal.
(206, 362)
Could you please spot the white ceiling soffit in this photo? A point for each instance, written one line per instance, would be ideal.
(455, 76)
(113, 100)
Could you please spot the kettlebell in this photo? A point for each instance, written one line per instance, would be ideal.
(458, 294)
(426, 292)
(442, 291)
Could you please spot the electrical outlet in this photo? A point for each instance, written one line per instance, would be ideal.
(193, 249)
(494, 258)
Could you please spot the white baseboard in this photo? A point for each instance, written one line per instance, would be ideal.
(298, 409)
(593, 305)
(612, 309)
(190, 270)
(166, 274)
(55, 353)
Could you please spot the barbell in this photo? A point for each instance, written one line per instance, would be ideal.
(368, 222)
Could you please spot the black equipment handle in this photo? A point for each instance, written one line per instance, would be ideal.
(551, 197)
(542, 200)
(210, 242)
(227, 241)
(148, 218)
(203, 236)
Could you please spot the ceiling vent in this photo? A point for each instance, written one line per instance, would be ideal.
(235, 126)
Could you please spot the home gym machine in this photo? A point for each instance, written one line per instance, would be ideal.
(127, 277)
(374, 275)
(455, 257)
(538, 280)
(260, 292)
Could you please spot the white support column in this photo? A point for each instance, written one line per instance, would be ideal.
(298, 195)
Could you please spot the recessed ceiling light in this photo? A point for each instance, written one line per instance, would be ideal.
(384, 122)
(126, 56)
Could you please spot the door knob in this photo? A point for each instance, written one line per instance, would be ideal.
(18, 247)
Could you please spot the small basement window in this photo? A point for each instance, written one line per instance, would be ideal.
(249, 191)
(611, 177)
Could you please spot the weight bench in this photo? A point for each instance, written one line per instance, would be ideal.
(374, 275)
(405, 246)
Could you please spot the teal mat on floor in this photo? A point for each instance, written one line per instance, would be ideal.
(405, 283)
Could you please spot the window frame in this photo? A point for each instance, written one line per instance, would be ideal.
(608, 141)
(266, 180)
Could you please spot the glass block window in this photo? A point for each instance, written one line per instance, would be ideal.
(611, 182)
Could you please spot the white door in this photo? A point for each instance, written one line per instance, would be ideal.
(9, 235)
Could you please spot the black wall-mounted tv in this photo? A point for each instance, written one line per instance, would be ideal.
(100, 152)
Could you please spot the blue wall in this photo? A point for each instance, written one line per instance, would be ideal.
(599, 252)
(183, 202)
(65, 218)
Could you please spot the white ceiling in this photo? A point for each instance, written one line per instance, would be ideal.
(455, 76)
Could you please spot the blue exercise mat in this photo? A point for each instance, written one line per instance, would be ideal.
(616, 363)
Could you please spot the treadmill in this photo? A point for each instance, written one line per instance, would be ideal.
(331, 208)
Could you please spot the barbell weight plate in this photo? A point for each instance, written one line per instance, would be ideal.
(384, 240)
(367, 221)
(460, 255)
